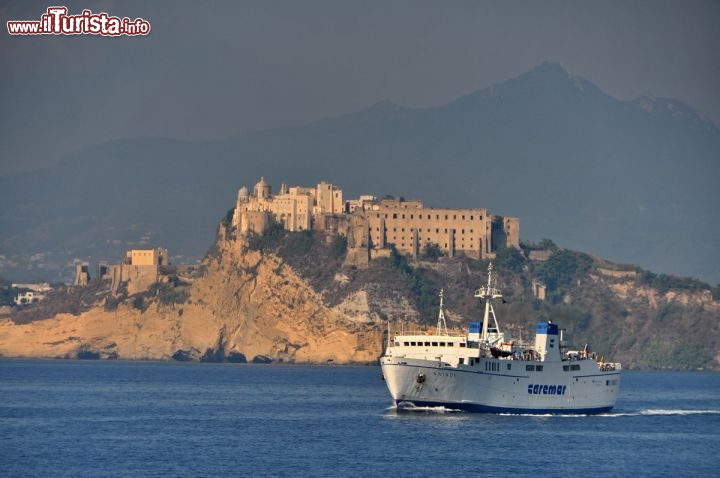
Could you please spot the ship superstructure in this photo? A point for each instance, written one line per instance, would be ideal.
(484, 370)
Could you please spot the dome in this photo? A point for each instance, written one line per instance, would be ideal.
(243, 193)
(262, 189)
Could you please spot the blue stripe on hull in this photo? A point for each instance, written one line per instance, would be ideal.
(478, 408)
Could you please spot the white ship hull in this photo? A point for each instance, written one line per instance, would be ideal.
(429, 383)
(486, 371)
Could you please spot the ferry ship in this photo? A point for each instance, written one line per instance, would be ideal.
(484, 370)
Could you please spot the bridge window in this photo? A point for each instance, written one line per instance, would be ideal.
(406, 344)
(434, 344)
(529, 368)
(539, 368)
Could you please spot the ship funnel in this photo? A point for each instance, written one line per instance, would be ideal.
(547, 341)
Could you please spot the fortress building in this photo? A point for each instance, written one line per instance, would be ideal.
(410, 227)
(374, 225)
(295, 208)
(139, 270)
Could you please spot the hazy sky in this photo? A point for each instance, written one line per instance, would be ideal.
(216, 69)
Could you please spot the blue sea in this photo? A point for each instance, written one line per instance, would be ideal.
(145, 419)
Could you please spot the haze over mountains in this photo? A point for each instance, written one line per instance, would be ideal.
(632, 181)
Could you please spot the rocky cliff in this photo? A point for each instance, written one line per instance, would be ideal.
(248, 305)
(295, 297)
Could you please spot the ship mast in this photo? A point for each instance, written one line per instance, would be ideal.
(441, 324)
(488, 293)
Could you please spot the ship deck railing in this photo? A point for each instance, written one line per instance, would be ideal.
(609, 367)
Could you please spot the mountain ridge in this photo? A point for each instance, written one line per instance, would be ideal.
(641, 183)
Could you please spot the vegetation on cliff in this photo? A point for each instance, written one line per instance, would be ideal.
(634, 316)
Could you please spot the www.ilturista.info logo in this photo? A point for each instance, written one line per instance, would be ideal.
(57, 22)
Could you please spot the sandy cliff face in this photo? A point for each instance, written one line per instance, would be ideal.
(248, 304)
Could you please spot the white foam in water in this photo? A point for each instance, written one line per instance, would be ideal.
(660, 412)
(410, 407)
(679, 412)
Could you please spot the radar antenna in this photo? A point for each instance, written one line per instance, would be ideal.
(487, 294)
(441, 324)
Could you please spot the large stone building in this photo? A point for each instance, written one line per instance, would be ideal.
(410, 227)
(374, 224)
(147, 257)
(139, 271)
(293, 207)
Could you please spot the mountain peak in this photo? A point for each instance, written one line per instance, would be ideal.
(551, 68)
(655, 105)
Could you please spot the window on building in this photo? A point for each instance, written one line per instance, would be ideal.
(529, 368)
(394, 215)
